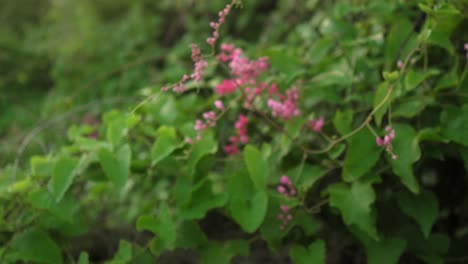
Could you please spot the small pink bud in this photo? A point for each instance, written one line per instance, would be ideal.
(285, 180)
(281, 189)
(292, 192)
(210, 41)
(399, 64)
(289, 217)
(466, 46)
(219, 104)
(284, 208)
(394, 156)
(386, 140)
(379, 141)
(280, 216)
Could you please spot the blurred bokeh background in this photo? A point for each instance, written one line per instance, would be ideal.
(65, 60)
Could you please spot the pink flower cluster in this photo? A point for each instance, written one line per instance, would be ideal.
(216, 25)
(199, 69)
(286, 108)
(386, 141)
(209, 120)
(200, 64)
(226, 87)
(285, 188)
(245, 71)
(317, 124)
(241, 138)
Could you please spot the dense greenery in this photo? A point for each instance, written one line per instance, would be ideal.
(328, 132)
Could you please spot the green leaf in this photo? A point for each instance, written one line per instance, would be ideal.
(216, 253)
(343, 121)
(399, 32)
(391, 76)
(411, 108)
(320, 48)
(305, 176)
(332, 77)
(249, 212)
(406, 147)
(62, 176)
(165, 144)
(117, 125)
(441, 24)
(314, 253)
(116, 166)
(247, 205)
(43, 200)
(41, 166)
(386, 251)
(162, 226)
(84, 258)
(203, 200)
(448, 80)
(423, 208)
(354, 203)
(123, 254)
(190, 236)
(454, 124)
(414, 78)
(258, 168)
(277, 57)
(207, 145)
(361, 156)
(35, 245)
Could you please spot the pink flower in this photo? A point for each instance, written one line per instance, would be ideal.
(399, 64)
(219, 104)
(281, 189)
(379, 141)
(386, 142)
(231, 149)
(286, 108)
(199, 65)
(226, 87)
(285, 180)
(199, 125)
(317, 124)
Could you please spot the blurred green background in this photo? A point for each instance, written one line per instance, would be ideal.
(62, 60)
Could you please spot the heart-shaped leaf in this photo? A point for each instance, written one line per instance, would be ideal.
(314, 253)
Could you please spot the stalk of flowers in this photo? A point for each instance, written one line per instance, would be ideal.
(287, 190)
(241, 137)
(216, 25)
(199, 68)
(209, 120)
(200, 64)
(386, 141)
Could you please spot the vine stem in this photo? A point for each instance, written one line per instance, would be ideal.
(372, 113)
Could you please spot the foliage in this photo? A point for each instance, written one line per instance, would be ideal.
(343, 129)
